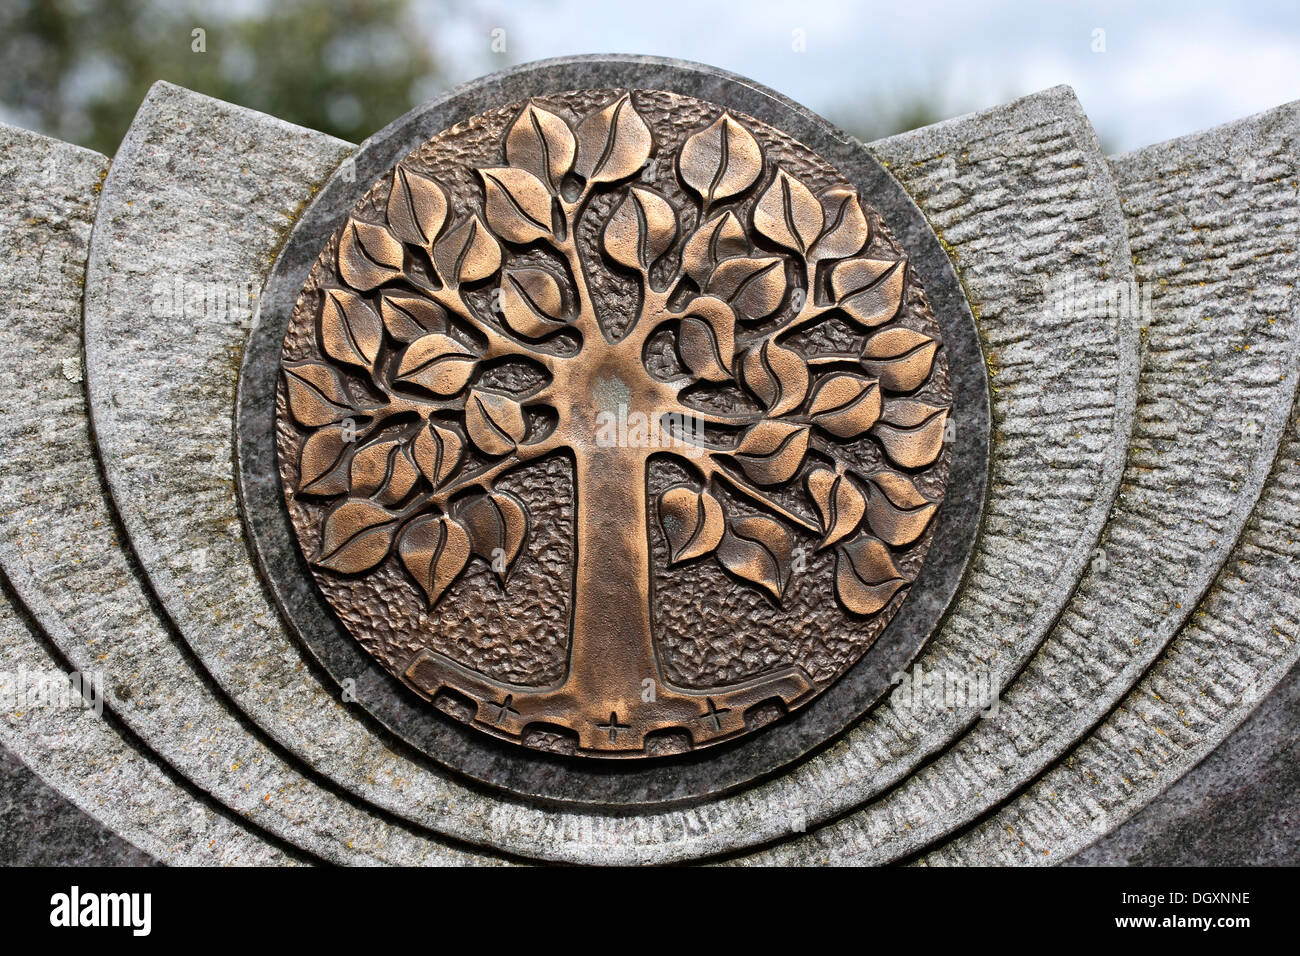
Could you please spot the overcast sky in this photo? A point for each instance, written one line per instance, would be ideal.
(1167, 68)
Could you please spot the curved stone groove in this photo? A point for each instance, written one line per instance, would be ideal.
(44, 828)
(82, 757)
(58, 542)
(1240, 643)
(1213, 222)
(185, 728)
(1235, 807)
(143, 381)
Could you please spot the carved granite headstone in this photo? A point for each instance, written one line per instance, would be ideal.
(621, 408)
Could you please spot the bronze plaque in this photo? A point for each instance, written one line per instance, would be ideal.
(614, 423)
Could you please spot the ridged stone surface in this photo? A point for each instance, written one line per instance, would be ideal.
(59, 545)
(1213, 225)
(1238, 645)
(1215, 221)
(47, 203)
(1240, 806)
(83, 757)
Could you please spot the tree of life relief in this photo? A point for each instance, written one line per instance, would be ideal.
(614, 336)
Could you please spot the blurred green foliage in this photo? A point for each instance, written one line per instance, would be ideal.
(78, 69)
(875, 116)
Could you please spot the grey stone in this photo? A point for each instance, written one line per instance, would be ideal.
(1238, 645)
(80, 755)
(47, 202)
(1238, 807)
(41, 828)
(1213, 218)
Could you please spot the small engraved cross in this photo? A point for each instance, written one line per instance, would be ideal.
(613, 727)
(714, 714)
(504, 710)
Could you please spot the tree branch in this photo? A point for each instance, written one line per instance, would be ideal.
(653, 314)
(500, 343)
(836, 358)
(480, 478)
(807, 315)
(708, 417)
(587, 323)
(703, 458)
(757, 494)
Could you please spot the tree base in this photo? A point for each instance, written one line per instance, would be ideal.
(610, 728)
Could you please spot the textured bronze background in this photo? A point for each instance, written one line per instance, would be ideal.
(613, 423)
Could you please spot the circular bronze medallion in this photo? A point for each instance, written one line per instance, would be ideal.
(614, 423)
